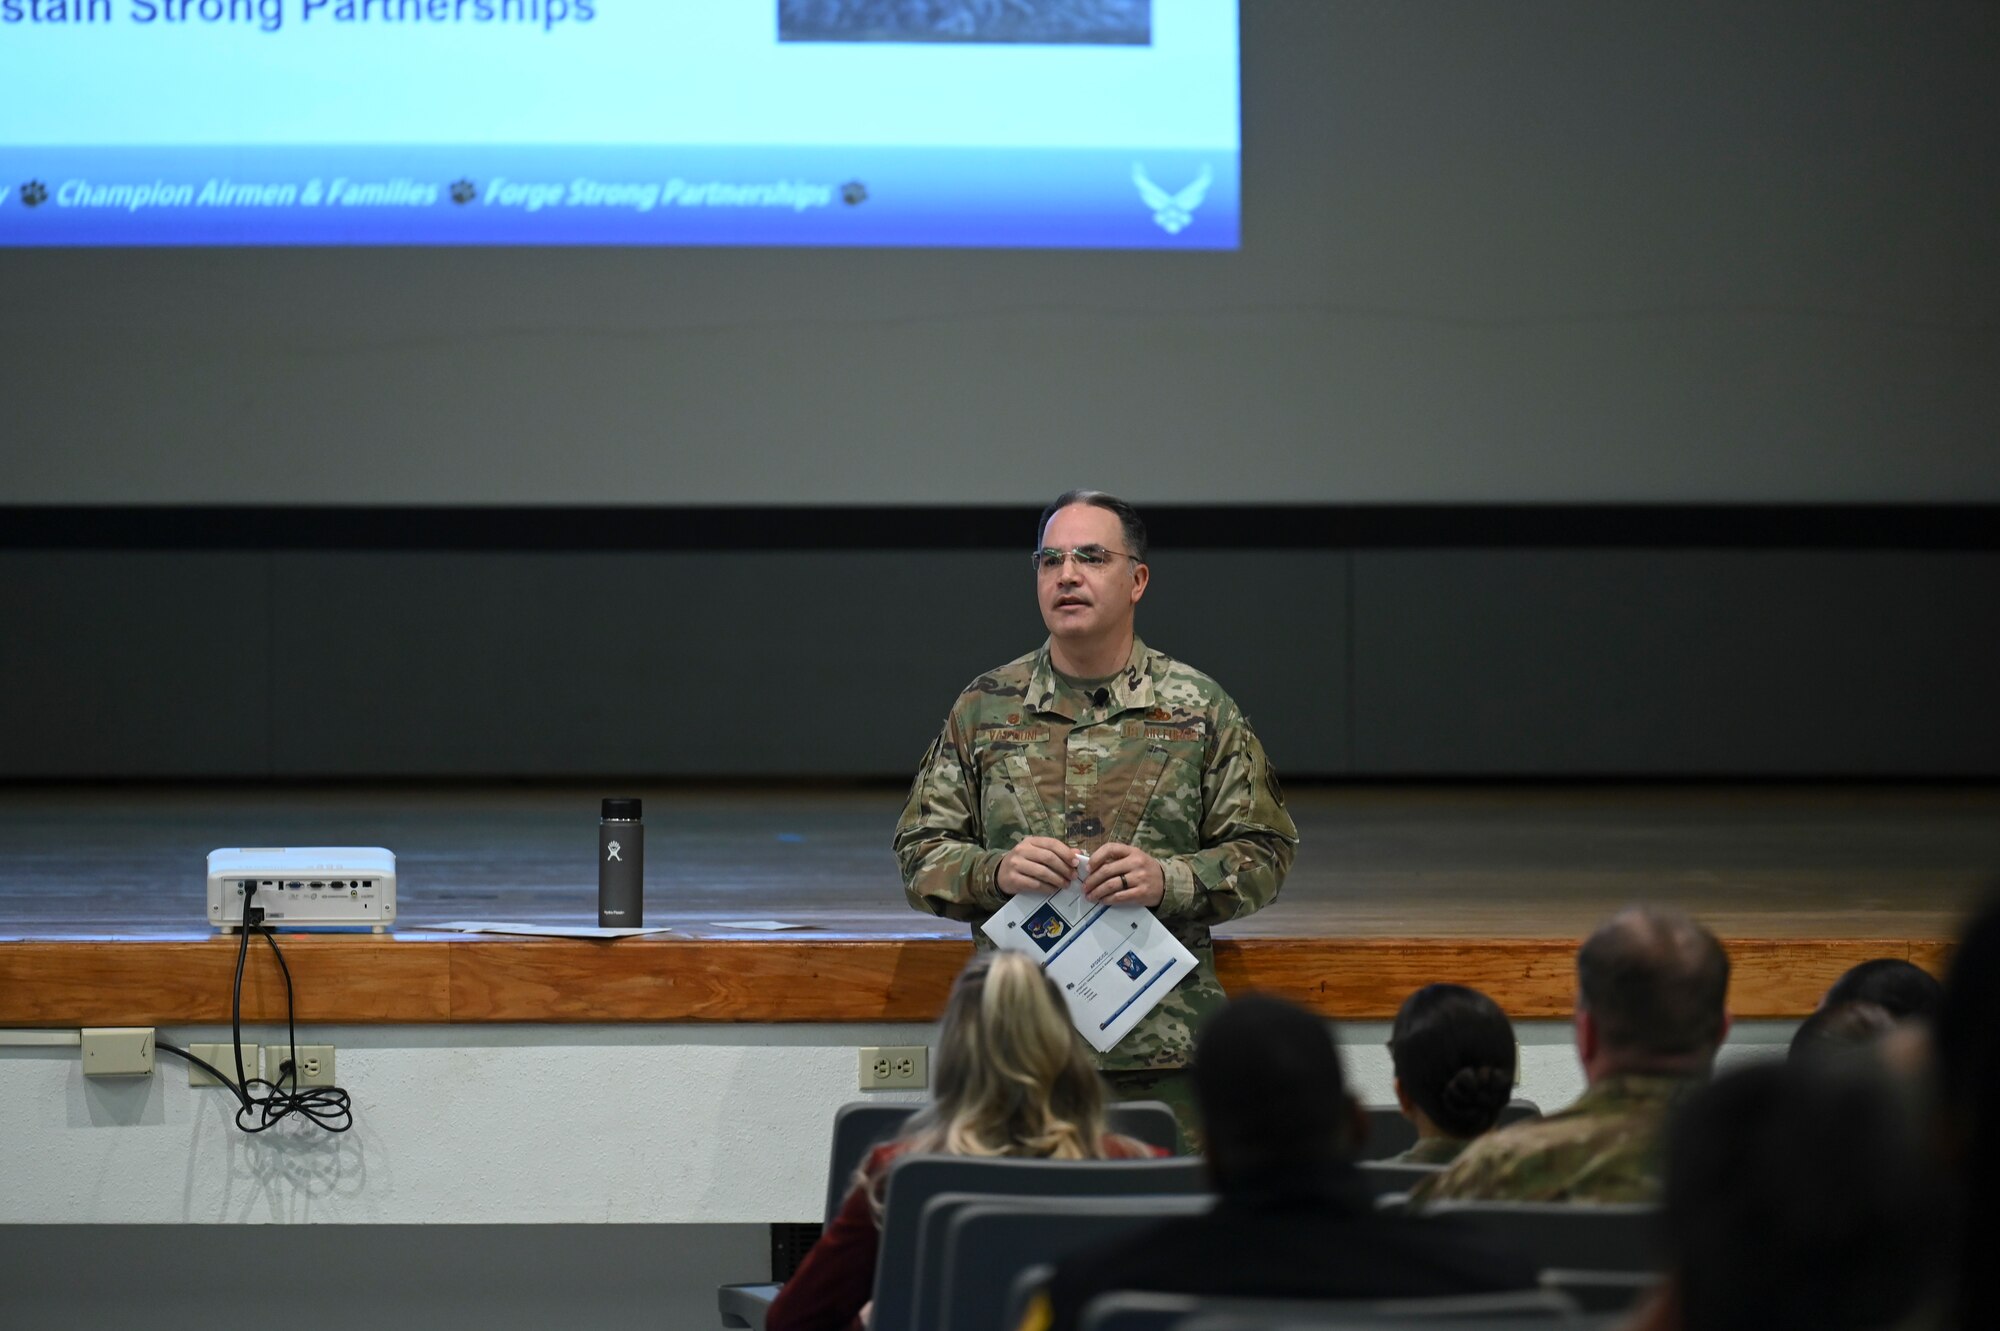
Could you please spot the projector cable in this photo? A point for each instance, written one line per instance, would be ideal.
(261, 1104)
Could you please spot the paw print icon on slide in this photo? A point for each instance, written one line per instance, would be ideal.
(463, 191)
(34, 193)
(853, 192)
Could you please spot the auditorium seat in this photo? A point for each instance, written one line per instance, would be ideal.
(1399, 1321)
(987, 1242)
(862, 1125)
(1387, 1180)
(1133, 1311)
(913, 1182)
(1603, 1291)
(1389, 1133)
(1568, 1236)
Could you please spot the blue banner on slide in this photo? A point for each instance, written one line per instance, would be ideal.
(621, 195)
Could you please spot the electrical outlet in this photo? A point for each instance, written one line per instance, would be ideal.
(117, 1051)
(223, 1056)
(315, 1064)
(895, 1068)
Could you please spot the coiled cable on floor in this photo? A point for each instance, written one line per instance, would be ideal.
(261, 1104)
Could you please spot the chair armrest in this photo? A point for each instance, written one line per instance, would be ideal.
(744, 1306)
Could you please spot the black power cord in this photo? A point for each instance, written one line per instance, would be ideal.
(261, 1104)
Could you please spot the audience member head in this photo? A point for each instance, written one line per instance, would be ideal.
(1901, 988)
(1273, 1100)
(1968, 1065)
(1651, 987)
(1798, 1194)
(1011, 1076)
(1453, 1052)
(1844, 1028)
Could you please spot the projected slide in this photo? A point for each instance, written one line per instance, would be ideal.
(1037, 123)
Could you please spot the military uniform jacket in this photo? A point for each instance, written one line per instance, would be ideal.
(1603, 1148)
(1164, 762)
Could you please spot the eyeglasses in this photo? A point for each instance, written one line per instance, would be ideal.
(1050, 558)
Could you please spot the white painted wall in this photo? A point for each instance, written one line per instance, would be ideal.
(515, 1125)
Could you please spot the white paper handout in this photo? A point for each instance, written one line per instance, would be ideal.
(547, 930)
(1113, 963)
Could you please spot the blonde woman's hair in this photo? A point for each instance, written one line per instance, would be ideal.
(1011, 1076)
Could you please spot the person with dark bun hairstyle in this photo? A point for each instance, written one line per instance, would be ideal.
(1905, 990)
(1841, 1030)
(1453, 1051)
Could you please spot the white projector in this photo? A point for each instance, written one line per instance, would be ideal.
(304, 885)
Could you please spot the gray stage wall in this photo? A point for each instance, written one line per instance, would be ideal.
(772, 663)
(1493, 253)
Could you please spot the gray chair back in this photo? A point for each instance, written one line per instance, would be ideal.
(1385, 1179)
(862, 1125)
(1365, 1320)
(1603, 1291)
(913, 1181)
(858, 1128)
(988, 1241)
(1571, 1236)
(1389, 1133)
(1128, 1311)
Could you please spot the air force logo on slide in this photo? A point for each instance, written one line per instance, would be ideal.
(1172, 211)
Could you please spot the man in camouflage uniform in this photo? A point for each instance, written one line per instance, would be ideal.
(1651, 985)
(1095, 743)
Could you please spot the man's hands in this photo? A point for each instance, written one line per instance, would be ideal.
(1036, 864)
(1122, 875)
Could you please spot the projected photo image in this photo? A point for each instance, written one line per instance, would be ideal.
(1079, 124)
(1046, 927)
(1086, 22)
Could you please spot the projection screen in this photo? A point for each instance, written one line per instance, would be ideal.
(1072, 123)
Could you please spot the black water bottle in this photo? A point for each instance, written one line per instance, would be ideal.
(621, 866)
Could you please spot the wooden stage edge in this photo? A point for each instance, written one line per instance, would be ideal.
(434, 980)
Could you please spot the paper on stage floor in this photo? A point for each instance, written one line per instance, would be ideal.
(547, 930)
(1113, 963)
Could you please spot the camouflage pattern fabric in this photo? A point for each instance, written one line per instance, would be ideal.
(1431, 1151)
(1603, 1148)
(1166, 763)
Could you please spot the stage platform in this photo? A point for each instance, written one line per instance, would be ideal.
(102, 898)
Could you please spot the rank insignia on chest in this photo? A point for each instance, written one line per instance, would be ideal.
(1084, 826)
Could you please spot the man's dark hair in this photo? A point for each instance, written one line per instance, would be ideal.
(1128, 517)
(1453, 1051)
(1843, 1028)
(1272, 1096)
(1798, 1194)
(1655, 983)
(1905, 989)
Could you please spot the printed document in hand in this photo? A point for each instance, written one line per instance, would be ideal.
(1113, 963)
